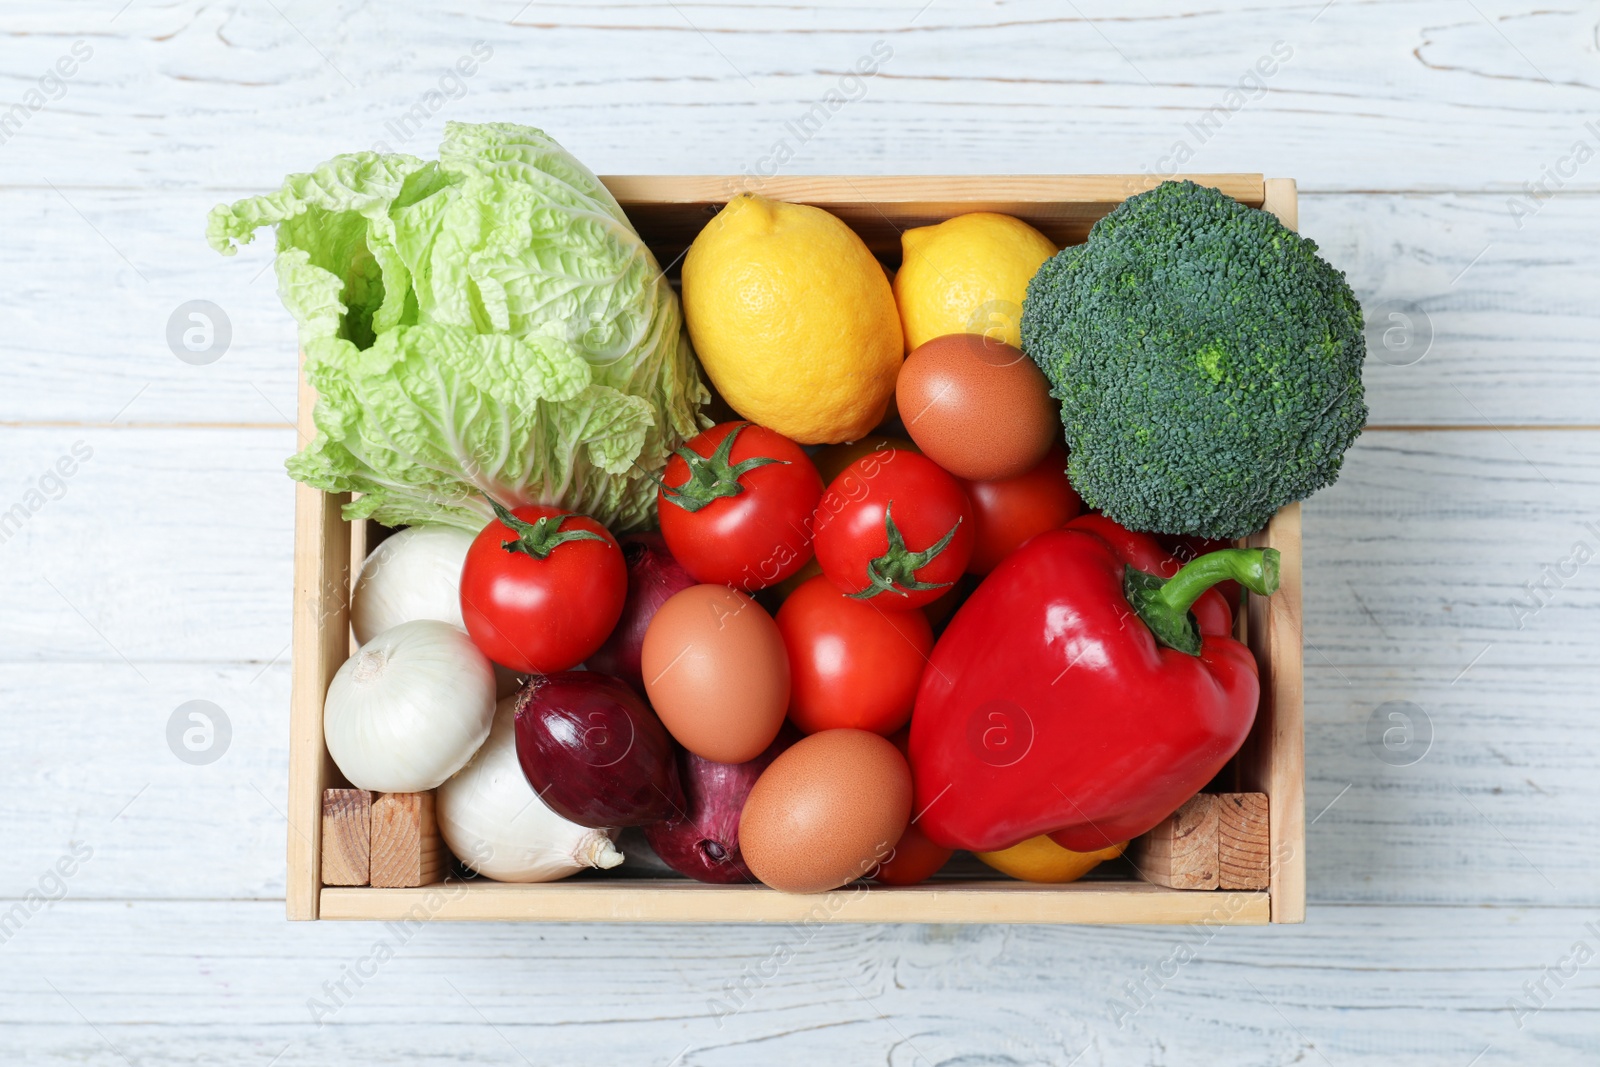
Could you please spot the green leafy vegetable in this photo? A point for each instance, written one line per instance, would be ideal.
(1207, 359)
(488, 323)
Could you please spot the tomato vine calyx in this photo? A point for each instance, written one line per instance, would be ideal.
(711, 477)
(896, 570)
(540, 537)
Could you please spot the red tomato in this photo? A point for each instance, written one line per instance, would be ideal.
(541, 588)
(915, 857)
(1008, 512)
(851, 664)
(742, 516)
(894, 528)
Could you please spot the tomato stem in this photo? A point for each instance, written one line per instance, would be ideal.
(540, 537)
(896, 570)
(711, 477)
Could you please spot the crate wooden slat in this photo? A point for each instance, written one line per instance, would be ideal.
(318, 646)
(668, 212)
(674, 900)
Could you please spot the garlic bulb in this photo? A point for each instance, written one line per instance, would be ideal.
(409, 709)
(494, 822)
(414, 574)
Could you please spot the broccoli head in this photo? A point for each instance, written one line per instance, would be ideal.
(1207, 360)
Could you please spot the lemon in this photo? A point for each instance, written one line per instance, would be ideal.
(967, 275)
(1039, 859)
(793, 320)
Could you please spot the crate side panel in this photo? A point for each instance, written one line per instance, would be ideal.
(677, 901)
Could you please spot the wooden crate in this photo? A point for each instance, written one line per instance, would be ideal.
(668, 212)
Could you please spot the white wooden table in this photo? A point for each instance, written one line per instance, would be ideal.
(1444, 893)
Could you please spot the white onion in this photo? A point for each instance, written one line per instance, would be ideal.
(415, 574)
(494, 822)
(409, 709)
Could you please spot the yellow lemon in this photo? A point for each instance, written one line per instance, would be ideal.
(1039, 859)
(967, 275)
(793, 320)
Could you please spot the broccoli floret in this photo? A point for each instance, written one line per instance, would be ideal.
(1207, 360)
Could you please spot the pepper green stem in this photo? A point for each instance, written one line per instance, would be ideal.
(1164, 603)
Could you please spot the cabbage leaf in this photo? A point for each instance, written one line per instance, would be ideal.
(487, 323)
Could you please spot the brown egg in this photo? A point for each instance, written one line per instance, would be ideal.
(826, 812)
(977, 407)
(717, 673)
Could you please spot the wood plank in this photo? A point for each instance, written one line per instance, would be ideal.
(1489, 782)
(1472, 319)
(1422, 552)
(1244, 850)
(1401, 96)
(231, 982)
(1511, 321)
(1411, 563)
(202, 566)
(347, 837)
(1280, 197)
(320, 642)
(880, 208)
(676, 901)
(1181, 852)
(1466, 522)
(406, 848)
(1273, 760)
(1515, 752)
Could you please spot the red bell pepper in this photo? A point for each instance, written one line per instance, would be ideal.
(1085, 690)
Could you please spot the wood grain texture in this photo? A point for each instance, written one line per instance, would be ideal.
(209, 981)
(320, 644)
(1273, 758)
(406, 848)
(1503, 319)
(346, 837)
(1181, 852)
(1486, 791)
(1412, 129)
(1514, 752)
(201, 571)
(1468, 521)
(1244, 849)
(670, 211)
(1371, 95)
(678, 900)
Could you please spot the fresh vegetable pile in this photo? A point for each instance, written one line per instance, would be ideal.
(867, 620)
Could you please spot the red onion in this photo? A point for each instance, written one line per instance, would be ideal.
(705, 845)
(653, 576)
(594, 752)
